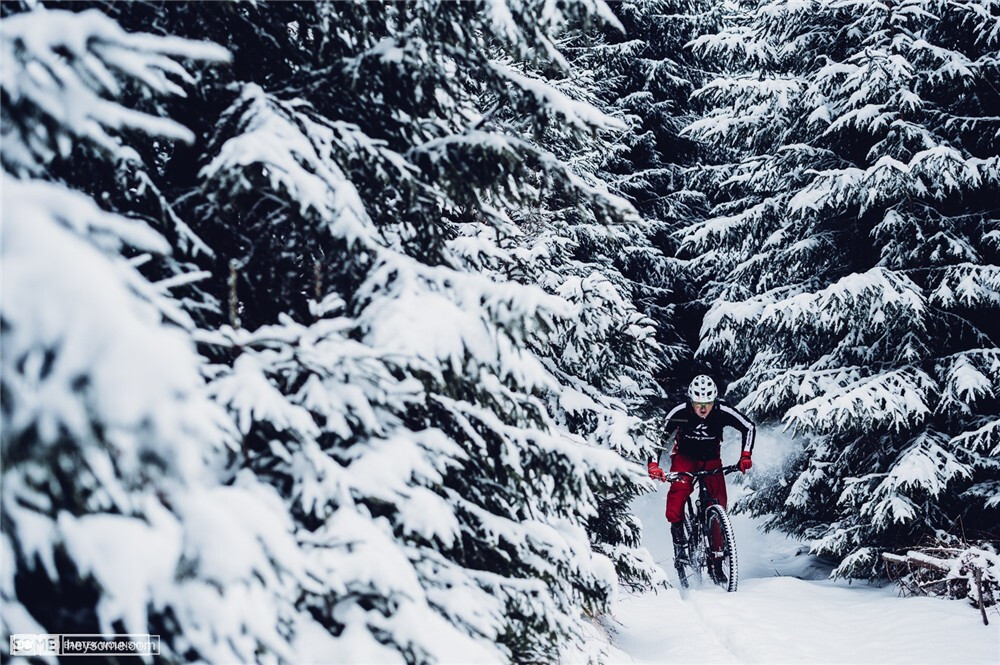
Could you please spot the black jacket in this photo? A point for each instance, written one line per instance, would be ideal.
(701, 439)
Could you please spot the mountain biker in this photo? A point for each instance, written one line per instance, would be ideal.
(699, 423)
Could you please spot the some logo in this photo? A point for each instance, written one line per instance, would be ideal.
(34, 644)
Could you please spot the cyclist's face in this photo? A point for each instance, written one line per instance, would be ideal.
(703, 408)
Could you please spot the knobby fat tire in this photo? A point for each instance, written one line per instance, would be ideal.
(717, 513)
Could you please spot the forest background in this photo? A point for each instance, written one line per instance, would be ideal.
(348, 326)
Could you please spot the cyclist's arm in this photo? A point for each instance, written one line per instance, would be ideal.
(673, 422)
(745, 426)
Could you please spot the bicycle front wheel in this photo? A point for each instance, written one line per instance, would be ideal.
(723, 565)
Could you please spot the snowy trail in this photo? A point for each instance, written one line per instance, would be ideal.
(777, 618)
(786, 620)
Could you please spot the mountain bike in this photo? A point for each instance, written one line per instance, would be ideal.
(711, 547)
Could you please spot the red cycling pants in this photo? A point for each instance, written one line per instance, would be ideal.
(681, 490)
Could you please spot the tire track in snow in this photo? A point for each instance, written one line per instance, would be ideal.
(722, 636)
(660, 627)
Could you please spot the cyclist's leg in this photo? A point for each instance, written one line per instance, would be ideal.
(716, 483)
(677, 496)
(680, 490)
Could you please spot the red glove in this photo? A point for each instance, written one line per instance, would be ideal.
(655, 472)
(745, 462)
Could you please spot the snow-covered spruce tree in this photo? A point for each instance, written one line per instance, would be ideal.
(113, 518)
(649, 75)
(645, 76)
(606, 355)
(852, 262)
(326, 418)
(384, 354)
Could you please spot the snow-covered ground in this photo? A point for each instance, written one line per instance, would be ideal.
(786, 610)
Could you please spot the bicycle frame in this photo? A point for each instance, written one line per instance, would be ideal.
(700, 536)
(704, 500)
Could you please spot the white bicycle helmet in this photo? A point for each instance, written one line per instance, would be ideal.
(703, 389)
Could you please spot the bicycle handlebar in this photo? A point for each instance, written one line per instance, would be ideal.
(674, 476)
